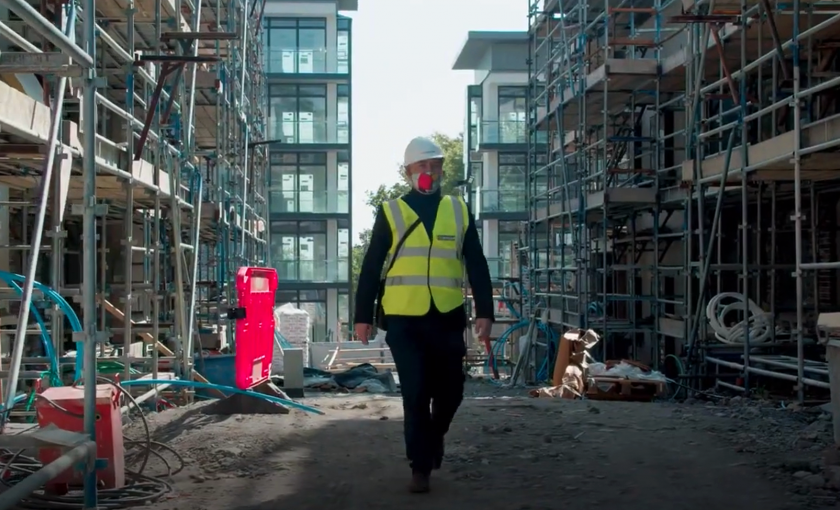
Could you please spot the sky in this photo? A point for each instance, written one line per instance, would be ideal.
(403, 82)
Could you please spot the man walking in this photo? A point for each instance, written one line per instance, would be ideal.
(413, 268)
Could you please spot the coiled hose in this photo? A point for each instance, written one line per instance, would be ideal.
(759, 323)
(142, 488)
(498, 348)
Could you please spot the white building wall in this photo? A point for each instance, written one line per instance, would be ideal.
(490, 82)
(490, 91)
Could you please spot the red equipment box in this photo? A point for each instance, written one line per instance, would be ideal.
(255, 288)
(109, 436)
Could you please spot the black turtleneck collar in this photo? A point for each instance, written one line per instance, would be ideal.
(425, 206)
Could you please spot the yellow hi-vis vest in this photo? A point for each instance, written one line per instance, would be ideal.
(425, 269)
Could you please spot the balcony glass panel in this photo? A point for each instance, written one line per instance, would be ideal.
(299, 132)
(306, 132)
(507, 132)
(316, 271)
(306, 61)
(499, 267)
(319, 202)
(302, 256)
(505, 200)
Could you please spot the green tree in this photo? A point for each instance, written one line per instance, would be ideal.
(453, 174)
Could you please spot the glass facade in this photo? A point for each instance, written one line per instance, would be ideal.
(305, 183)
(311, 251)
(342, 114)
(302, 46)
(512, 182)
(298, 114)
(308, 126)
(510, 126)
(508, 234)
(314, 302)
(474, 96)
(306, 114)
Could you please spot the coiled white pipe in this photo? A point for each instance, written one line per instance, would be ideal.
(760, 322)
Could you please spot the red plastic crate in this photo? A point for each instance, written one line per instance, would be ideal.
(109, 436)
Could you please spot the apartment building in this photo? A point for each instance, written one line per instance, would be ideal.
(307, 45)
(496, 139)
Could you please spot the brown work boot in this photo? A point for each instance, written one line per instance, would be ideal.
(419, 483)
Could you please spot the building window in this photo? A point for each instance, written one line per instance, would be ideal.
(513, 113)
(508, 234)
(474, 117)
(312, 301)
(296, 45)
(344, 314)
(342, 56)
(343, 265)
(311, 251)
(298, 183)
(512, 181)
(342, 196)
(298, 113)
(343, 113)
(299, 250)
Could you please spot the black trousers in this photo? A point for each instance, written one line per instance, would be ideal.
(430, 366)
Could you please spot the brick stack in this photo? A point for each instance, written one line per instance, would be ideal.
(293, 324)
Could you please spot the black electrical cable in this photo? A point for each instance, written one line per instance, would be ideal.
(142, 488)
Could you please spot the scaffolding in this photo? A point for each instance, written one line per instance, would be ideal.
(142, 160)
(606, 206)
(688, 206)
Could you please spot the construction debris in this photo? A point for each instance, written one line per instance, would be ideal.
(613, 380)
(358, 379)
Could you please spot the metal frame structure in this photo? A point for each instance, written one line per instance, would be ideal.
(147, 146)
(602, 205)
(688, 158)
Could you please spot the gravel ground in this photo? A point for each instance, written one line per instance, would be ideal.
(506, 451)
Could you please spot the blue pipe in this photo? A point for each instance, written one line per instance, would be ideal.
(498, 347)
(46, 339)
(224, 389)
(75, 323)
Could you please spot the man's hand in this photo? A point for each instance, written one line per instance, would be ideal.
(362, 332)
(482, 327)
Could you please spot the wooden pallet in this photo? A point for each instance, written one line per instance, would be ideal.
(630, 390)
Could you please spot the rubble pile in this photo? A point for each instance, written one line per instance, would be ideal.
(796, 441)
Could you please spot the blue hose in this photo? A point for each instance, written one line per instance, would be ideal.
(46, 339)
(498, 347)
(224, 389)
(55, 297)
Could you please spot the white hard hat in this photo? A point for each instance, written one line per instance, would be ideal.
(420, 149)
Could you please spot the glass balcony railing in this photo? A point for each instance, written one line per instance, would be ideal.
(499, 267)
(506, 132)
(316, 202)
(504, 200)
(317, 271)
(306, 61)
(308, 132)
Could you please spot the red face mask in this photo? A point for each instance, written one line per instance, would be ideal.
(425, 182)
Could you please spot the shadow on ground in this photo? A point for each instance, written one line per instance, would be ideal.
(190, 419)
(513, 455)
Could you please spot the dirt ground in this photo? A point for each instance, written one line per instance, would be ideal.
(509, 452)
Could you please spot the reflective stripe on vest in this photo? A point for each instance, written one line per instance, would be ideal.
(425, 270)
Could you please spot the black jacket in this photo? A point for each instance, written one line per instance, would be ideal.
(426, 207)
